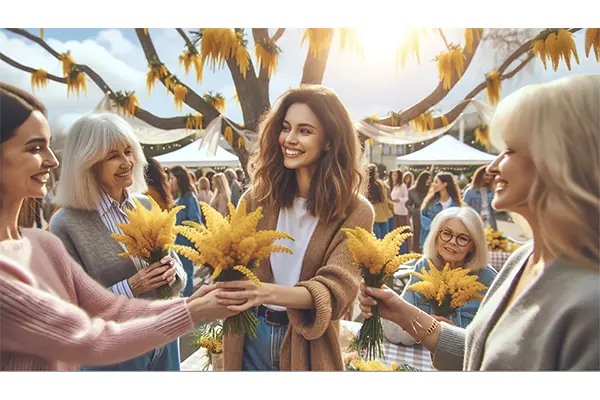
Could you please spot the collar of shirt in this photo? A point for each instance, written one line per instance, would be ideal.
(107, 203)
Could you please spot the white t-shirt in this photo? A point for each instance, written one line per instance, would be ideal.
(447, 203)
(299, 223)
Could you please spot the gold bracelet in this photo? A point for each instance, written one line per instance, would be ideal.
(416, 321)
(429, 331)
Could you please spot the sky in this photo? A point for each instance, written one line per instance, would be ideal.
(368, 85)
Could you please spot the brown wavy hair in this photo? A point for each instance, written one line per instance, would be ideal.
(157, 178)
(376, 190)
(477, 180)
(338, 175)
(184, 181)
(451, 187)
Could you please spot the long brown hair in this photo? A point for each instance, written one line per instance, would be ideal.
(451, 188)
(156, 177)
(183, 180)
(411, 180)
(420, 183)
(375, 187)
(338, 175)
(477, 180)
(399, 180)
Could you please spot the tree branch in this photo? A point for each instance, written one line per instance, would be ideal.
(188, 42)
(439, 93)
(25, 68)
(35, 39)
(444, 37)
(278, 35)
(314, 68)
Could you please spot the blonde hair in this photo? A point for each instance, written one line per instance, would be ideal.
(475, 260)
(90, 140)
(221, 186)
(557, 123)
(204, 184)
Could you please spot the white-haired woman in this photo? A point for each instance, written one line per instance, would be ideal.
(542, 311)
(457, 238)
(103, 169)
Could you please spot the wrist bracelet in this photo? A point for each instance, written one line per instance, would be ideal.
(416, 321)
(430, 330)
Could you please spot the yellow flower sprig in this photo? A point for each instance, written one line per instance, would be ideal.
(555, 44)
(482, 136)
(318, 40)
(157, 71)
(592, 41)
(498, 242)
(189, 58)
(447, 289)
(492, 87)
(39, 79)
(211, 344)
(470, 35)
(449, 62)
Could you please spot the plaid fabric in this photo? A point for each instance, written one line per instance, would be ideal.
(416, 356)
(498, 258)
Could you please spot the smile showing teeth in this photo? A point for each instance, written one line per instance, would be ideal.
(123, 175)
(41, 178)
(501, 185)
(293, 153)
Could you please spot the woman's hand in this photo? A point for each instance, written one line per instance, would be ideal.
(239, 296)
(389, 301)
(153, 276)
(204, 305)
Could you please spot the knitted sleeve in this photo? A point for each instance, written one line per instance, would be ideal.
(449, 353)
(335, 285)
(38, 323)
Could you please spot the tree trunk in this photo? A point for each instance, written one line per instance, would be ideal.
(314, 68)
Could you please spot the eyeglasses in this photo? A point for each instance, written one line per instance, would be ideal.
(461, 239)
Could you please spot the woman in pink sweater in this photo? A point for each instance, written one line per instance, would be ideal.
(52, 314)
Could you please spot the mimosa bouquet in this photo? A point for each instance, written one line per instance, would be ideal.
(498, 242)
(231, 248)
(448, 289)
(354, 363)
(148, 235)
(377, 261)
(210, 338)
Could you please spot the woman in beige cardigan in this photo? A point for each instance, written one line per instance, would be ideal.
(309, 188)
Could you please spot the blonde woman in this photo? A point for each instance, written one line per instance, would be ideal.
(222, 195)
(103, 170)
(542, 312)
(204, 193)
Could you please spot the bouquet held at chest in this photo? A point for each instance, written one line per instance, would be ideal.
(377, 260)
(148, 235)
(231, 248)
(448, 289)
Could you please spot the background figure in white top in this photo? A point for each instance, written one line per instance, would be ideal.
(399, 197)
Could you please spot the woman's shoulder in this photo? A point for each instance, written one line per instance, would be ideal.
(142, 198)
(487, 274)
(46, 240)
(362, 206)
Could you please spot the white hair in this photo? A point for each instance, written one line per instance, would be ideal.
(557, 125)
(89, 141)
(475, 260)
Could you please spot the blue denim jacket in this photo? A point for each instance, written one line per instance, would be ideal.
(191, 212)
(464, 315)
(472, 198)
(428, 215)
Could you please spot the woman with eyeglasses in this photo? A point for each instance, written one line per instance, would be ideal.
(457, 237)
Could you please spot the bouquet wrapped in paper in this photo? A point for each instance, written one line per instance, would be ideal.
(148, 235)
(377, 260)
(448, 289)
(231, 248)
(210, 338)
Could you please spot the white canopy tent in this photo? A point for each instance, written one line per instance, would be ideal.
(446, 151)
(194, 156)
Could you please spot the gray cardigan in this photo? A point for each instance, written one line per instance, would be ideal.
(88, 241)
(553, 325)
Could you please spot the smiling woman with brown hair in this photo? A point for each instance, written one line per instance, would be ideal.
(307, 175)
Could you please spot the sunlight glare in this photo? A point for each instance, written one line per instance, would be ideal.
(381, 42)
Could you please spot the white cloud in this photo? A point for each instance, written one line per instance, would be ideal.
(118, 44)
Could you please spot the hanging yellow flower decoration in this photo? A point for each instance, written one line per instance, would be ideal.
(318, 40)
(156, 72)
(189, 58)
(76, 82)
(193, 122)
(424, 122)
(444, 120)
(482, 136)
(67, 62)
(145, 31)
(218, 44)
(240, 142)
(128, 102)
(267, 55)
(470, 35)
(179, 94)
(350, 37)
(216, 100)
(592, 40)
(42, 33)
(370, 142)
(39, 79)
(228, 134)
(450, 62)
(372, 118)
(410, 45)
(555, 44)
(493, 86)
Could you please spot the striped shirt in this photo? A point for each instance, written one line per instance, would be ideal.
(113, 213)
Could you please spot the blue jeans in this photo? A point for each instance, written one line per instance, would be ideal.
(188, 267)
(262, 352)
(380, 229)
(164, 358)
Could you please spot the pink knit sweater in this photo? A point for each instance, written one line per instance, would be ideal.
(53, 316)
